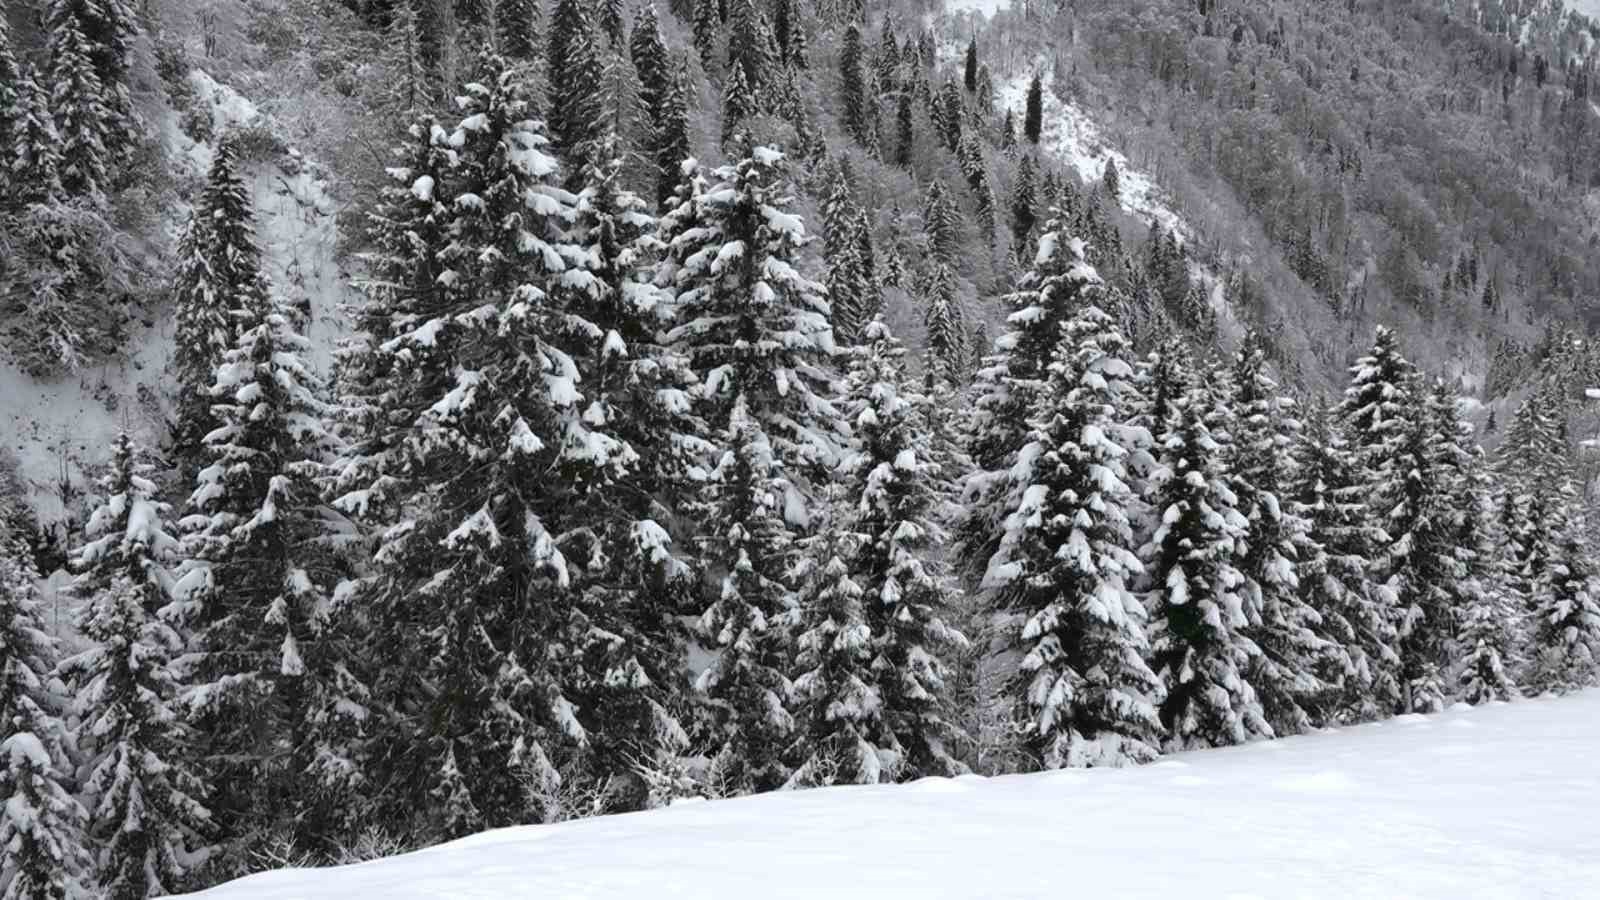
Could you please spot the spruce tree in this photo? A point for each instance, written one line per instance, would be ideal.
(953, 109)
(1011, 382)
(1066, 564)
(109, 29)
(738, 104)
(41, 823)
(1023, 201)
(671, 141)
(77, 105)
(1337, 577)
(749, 46)
(970, 72)
(836, 693)
(1111, 181)
(518, 25)
(854, 105)
(947, 340)
(1033, 113)
(942, 222)
(612, 22)
(219, 275)
(147, 819)
(411, 88)
(575, 75)
(480, 455)
(905, 131)
(896, 474)
(707, 26)
(35, 163)
(868, 256)
(11, 97)
(274, 694)
(747, 622)
(1199, 643)
(750, 323)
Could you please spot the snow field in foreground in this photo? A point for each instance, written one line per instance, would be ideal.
(1494, 802)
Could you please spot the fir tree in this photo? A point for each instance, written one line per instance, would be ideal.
(947, 340)
(1033, 114)
(1023, 201)
(412, 88)
(905, 131)
(575, 75)
(854, 105)
(747, 621)
(109, 29)
(1066, 564)
(1288, 630)
(749, 41)
(868, 256)
(42, 824)
(971, 69)
(707, 26)
(612, 22)
(147, 820)
(738, 104)
(835, 690)
(888, 59)
(942, 223)
(219, 275)
(11, 98)
(671, 141)
(518, 24)
(953, 110)
(35, 164)
(481, 453)
(752, 326)
(273, 689)
(1111, 180)
(78, 108)
(1199, 645)
(895, 473)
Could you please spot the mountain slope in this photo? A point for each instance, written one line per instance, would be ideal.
(1488, 802)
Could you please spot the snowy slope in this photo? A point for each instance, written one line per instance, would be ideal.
(987, 7)
(1494, 802)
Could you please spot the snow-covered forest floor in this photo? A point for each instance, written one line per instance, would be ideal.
(1496, 801)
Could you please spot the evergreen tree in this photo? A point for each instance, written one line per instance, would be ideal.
(1287, 629)
(1023, 201)
(1033, 113)
(41, 824)
(1355, 608)
(854, 105)
(707, 26)
(147, 820)
(575, 75)
(273, 689)
(750, 323)
(1011, 382)
(412, 87)
(670, 140)
(109, 29)
(749, 48)
(738, 104)
(947, 340)
(518, 23)
(35, 164)
(888, 59)
(868, 257)
(11, 98)
(836, 691)
(77, 106)
(1199, 646)
(1066, 563)
(480, 456)
(905, 131)
(895, 472)
(953, 109)
(219, 274)
(612, 22)
(1111, 180)
(971, 70)
(942, 222)
(748, 621)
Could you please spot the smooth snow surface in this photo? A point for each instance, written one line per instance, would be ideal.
(1495, 802)
(987, 7)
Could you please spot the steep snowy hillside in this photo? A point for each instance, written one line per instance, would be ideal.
(1491, 802)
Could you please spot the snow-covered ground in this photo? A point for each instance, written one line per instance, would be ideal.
(987, 7)
(1496, 802)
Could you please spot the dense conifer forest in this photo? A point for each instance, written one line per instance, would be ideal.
(735, 396)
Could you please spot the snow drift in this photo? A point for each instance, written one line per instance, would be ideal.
(1496, 801)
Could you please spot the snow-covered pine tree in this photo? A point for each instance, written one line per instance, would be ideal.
(35, 146)
(412, 88)
(947, 338)
(1565, 637)
(854, 104)
(1023, 201)
(942, 223)
(1011, 382)
(1200, 647)
(1287, 629)
(109, 29)
(751, 324)
(147, 818)
(895, 471)
(518, 24)
(738, 104)
(1067, 561)
(872, 299)
(41, 823)
(272, 690)
(846, 279)
(836, 694)
(1338, 579)
(749, 621)
(707, 27)
(77, 105)
(1032, 118)
(219, 274)
(749, 48)
(613, 22)
(473, 383)
(575, 75)
(11, 97)
(634, 579)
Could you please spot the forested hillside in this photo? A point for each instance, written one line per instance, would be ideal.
(451, 414)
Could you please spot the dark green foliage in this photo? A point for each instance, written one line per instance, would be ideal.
(1032, 117)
